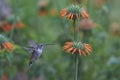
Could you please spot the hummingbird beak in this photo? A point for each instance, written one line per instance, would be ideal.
(49, 44)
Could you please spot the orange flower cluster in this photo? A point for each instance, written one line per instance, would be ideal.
(70, 16)
(81, 49)
(42, 11)
(84, 14)
(44, 8)
(63, 12)
(73, 12)
(4, 77)
(7, 46)
(5, 26)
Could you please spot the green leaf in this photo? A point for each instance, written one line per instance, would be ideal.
(10, 57)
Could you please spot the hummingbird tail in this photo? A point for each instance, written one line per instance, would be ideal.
(30, 63)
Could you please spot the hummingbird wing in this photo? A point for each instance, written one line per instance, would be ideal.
(32, 44)
(30, 50)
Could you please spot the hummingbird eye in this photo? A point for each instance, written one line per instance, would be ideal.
(41, 45)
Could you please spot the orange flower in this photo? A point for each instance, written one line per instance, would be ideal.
(4, 77)
(7, 46)
(42, 13)
(70, 16)
(84, 14)
(87, 48)
(42, 5)
(8, 27)
(73, 12)
(19, 25)
(45, 8)
(5, 26)
(63, 12)
(77, 47)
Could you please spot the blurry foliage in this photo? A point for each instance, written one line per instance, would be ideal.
(54, 64)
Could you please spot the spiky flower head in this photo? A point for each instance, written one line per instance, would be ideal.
(73, 12)
(77, 48)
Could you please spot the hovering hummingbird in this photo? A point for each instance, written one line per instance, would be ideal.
(35, 50)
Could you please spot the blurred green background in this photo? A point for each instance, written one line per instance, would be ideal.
(55, 64)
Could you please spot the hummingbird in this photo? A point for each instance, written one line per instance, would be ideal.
(35, 50)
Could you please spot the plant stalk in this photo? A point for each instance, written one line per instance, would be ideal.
(76, 56)
(76, 67)
(75, 33)
(15, 18)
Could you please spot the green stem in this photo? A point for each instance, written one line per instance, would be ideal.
(76, 56)
(12, 31)
(76, 66)
(15, 19)
(75, 34)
